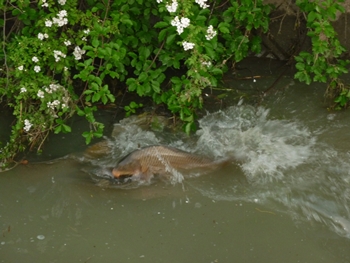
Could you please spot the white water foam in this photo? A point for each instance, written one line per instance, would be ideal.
(266, 147)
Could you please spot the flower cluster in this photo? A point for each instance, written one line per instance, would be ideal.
(37, 69)
(67, 43)
(45, 4)
(211, 33)
(40, 94)
(78, 52)
(187, 45)
(52, 88)
(61, 92)
(20, 68)
(202, 3)
(62, 2)
(23, 90)
(60, 20)
(159, 1)
(206, 63)
(48, 23)
(58, 55)
(41, 36)
(180, 24)
(172, 8)
(27, 125)
(52, 105)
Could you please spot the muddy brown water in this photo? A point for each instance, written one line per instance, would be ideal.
(286, 199)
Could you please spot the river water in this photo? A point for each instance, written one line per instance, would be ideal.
(284, 198)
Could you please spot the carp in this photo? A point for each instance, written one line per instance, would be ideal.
(163, 161)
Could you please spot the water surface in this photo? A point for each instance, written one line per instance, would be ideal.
(284, 198)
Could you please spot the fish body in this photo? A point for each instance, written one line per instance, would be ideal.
(161, 160)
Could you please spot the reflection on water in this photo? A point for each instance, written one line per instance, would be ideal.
(284, 198)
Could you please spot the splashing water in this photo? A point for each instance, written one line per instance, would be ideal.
(266, 147)
(286, 168)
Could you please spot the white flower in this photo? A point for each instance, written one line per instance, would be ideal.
(62, 14)
(202, 3)
(211, 33)
(52, 88)
(41, 36)
(206, 63)
(172, 8)
(45, 4)
(62, 2)
(87, 31)
(23, 90)
(40, 94)
(159, 1)
(37, 69)
(180, 23)
(53, 104)
(61, 20)
(27, 125)
(67, 43)
(185, 22)
(187, 45)
(48, 23)
(58, 55)
(78, 52)
(20, 67)
(84, 39)
(35, 59)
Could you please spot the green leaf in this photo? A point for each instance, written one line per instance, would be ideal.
(144, 52)
(79, 111)
(189, 127)
(143, 77)
(95, 42)
(161, 24)
(170, 39)
(224, 30)
(96, 97)
(88, 136)
(58, 129)
(66, 128)
(300, 66)
(155, 86)
(162, 34)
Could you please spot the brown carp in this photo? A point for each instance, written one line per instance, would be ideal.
(163, 161)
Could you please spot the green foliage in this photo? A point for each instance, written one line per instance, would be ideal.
(324, 64)
(82, 47)
(132, 107)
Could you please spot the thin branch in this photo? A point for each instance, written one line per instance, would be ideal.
(161, 47)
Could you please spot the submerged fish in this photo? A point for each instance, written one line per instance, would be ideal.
(162, 160)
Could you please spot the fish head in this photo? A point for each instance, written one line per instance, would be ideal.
(127, 169)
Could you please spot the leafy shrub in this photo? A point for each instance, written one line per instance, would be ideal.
(324, 63)
(59, 57)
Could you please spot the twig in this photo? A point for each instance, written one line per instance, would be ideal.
(161, 47)
(263, 211)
